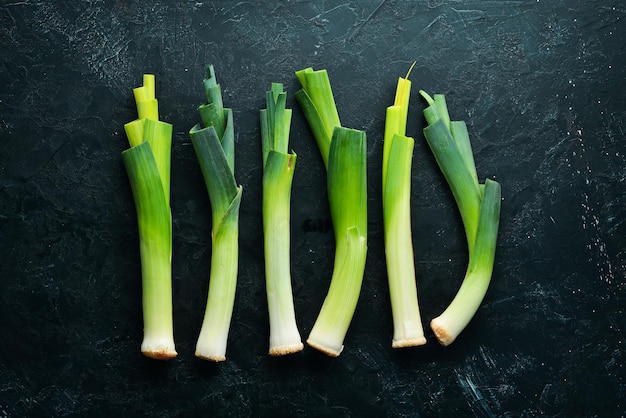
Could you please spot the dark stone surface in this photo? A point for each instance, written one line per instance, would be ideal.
(541, 85)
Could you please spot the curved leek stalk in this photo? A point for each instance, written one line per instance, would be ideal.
(397, 156)
(347, 196)
(458, 314)
(278, 169)
(213, 143)
(147, 164)
(343, 151)
(479, 206)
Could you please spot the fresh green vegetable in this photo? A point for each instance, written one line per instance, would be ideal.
(147, 164)
(278, 169)
(343, 151)
(213, 142)
(318, 105)
(479, 205)
(397, 157)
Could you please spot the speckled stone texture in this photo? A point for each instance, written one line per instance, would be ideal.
(541, 86)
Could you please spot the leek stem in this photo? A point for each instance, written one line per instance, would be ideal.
(479, 205)
(214, 148)
(397, 158)
(154, 222)
(343, 151)
(408, 329)
(347, 195)
(333, 321)
(147, 164)
(213, 337)
(455, 318)
(278, 170)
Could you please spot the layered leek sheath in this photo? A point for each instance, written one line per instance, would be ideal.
(147, 164)
(278, 170)
(213, 141)
(343, 151)
(397, 157)
(479, 206)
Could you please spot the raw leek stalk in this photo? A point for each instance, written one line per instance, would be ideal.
(397, 157)
(213, 141)
(479, 206)
(278, 169)
(344, 153)
(147, 164)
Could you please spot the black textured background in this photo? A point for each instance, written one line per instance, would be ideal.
(541, 86)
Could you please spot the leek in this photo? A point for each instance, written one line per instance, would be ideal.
(278, 170)
(397, 155)
(479, 206)
(343, 151)
(213, 143)
(147, 164)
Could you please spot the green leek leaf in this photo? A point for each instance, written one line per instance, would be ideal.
(318, 105)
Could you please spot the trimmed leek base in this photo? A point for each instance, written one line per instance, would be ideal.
(332, 324)
(455, 318)
(213, 336)
(158, 331)
(285, 343)
(408, 330)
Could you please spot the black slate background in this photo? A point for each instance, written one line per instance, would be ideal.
(541, 86)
